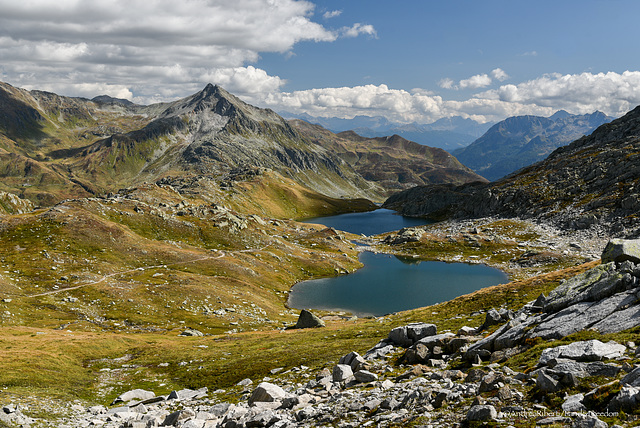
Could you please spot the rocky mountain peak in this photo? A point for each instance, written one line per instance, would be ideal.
(610, 135)
(211, 98)
(560, 114)
(106, 99)
(520, 141)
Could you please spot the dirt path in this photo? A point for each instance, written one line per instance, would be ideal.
(111, 275)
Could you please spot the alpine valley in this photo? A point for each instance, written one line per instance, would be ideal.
(147, 253)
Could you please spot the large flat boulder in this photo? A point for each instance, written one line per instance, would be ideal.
(589, 350)
(134, 394)
(595, 284)
(620, 250)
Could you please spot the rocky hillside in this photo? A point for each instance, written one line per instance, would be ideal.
(54, 147)
(537, 365)
(519, 141)
(590, 183)
(391, 162)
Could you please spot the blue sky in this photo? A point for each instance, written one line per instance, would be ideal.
(406, 60)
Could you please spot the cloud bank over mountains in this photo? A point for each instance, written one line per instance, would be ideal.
(612, 93)
(162, 50)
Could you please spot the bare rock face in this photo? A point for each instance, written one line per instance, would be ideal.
(604, 298)
(12, 204)
(308, 320)
(590, 350)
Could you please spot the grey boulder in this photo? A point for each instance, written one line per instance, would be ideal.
(341, 372)
(632, 378)
(308, 320)
(417, 331)
(267, 392)
(628, 399)
(482, 413)
(588, 420)
(134, 394)
(399, 337)
(365, 376)
(573, 403)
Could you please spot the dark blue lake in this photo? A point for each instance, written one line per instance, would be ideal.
(369, 223)
(388, 284)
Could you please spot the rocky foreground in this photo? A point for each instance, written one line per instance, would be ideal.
(419, 377)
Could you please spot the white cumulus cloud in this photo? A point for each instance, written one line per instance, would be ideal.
(332, 14)
(499, 74)
(358, 29)
(158, 49)
(446, 83)
(611, 92)
(474, 82)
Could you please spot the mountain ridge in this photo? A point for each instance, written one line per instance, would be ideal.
(446, 133)
(86, 147)
(588, 184)
(393, 162)
(519, 141)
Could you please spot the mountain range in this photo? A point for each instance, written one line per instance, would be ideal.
(592, 182)
(519, 141)
(54, 147)
(447, 133)
(394, 162)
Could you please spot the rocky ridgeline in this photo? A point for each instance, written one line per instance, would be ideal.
(12, 204)
(420, 376)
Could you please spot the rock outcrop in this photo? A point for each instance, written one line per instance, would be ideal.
(12, 204)
(605, 298)
(620, 250)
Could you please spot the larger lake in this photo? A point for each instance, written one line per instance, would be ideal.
(369, 223)
(388, 284)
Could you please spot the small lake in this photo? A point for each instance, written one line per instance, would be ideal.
(388, 284)
(369, 223)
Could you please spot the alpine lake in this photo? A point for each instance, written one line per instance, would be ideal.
(387, 283)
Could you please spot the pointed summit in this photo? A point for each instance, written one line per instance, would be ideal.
(211, 98)
(560, 114)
